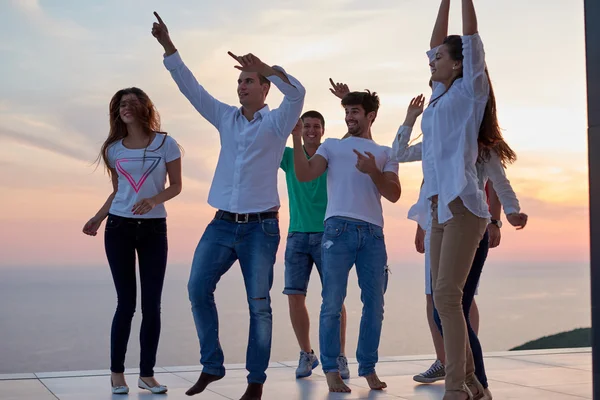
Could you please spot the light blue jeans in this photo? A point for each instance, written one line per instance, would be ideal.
(347, 243)
(255, 245)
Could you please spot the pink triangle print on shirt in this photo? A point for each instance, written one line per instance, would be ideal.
(137, 167)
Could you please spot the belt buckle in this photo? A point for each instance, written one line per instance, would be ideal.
(245, 221)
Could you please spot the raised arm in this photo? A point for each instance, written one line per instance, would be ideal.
(401, 151)
(475, 77)
(286, 116)
(469, 18)
(209, 107)
(290, 109)
(306, 169)
(338, 89)
(440, 29)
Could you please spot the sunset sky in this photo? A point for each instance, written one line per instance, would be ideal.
(62, 60)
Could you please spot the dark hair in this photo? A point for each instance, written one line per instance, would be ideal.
(314, 114)
(263, 80)
(145, 113)
(490, 135)
(369, 101)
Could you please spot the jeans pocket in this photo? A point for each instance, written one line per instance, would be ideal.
(113, 222)
(290, 235)
(270, 227)
(377, 232)
(334, 229)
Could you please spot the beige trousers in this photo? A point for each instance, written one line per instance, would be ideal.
(452, 248)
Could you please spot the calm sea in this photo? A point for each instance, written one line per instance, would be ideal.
(55, 319)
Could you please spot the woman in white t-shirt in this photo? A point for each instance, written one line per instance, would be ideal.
(138, 158)
(460, 117)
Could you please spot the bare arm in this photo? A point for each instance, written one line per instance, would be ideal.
(388, 185)
(91, 227)
(175, 182)
(307, 169)
(103, 212)
(469, 18)
(440, 30)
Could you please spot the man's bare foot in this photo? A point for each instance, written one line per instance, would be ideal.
(202, 383)
(374, 382)
(253, 392)
(335, 383)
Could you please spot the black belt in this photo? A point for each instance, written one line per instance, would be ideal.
(245, 218)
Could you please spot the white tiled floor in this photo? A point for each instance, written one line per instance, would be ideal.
(549, 375)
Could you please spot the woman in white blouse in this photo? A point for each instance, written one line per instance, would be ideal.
(490, 168)
(460, 117)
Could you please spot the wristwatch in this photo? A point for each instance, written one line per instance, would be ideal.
(496, 222)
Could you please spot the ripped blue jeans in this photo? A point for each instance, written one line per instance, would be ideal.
(347, 243)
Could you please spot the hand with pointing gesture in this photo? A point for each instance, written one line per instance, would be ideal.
(366, 164)
(250, 63)
(338, 89)
(161, 33)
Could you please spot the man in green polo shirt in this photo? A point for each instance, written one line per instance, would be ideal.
(308, 202)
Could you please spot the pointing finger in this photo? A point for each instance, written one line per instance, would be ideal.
(236, 58)
(160, 21)
(360, 156)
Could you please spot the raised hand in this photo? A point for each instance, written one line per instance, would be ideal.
(415, 108)
(518, 220)
(338, 89)
(91, 227)
(297, 131)
(250, 63)
(161, 33)
(366, 164)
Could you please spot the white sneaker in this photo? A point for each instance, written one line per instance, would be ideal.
(342, 363)
(308, 362)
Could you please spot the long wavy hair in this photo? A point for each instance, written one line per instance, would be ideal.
(490, 135)
(145, 113)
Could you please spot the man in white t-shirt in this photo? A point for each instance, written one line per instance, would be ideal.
(359, 172)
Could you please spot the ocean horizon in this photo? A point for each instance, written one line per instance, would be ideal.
(58, 319)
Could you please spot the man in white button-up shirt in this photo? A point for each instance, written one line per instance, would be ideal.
(244, 191)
